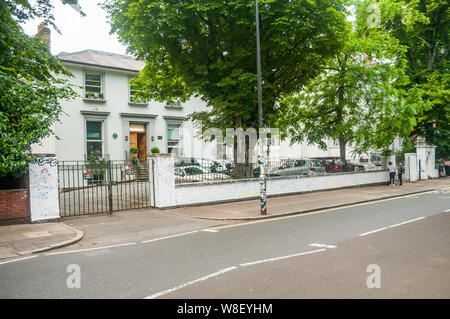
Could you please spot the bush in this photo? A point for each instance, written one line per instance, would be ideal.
(155, 150)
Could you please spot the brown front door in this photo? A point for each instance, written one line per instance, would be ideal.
(142, 146)
(138, 139)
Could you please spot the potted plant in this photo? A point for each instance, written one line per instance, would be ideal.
(96, 165)
(155, 150)
(135, 164)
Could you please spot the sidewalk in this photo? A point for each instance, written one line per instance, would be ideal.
(25, 239)
(294, 204)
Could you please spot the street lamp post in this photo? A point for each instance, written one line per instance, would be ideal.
(261, 159)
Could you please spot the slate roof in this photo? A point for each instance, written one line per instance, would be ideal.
(102, 59)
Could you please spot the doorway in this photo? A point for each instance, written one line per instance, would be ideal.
(138, 140)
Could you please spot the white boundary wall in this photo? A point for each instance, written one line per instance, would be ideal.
(170, 195)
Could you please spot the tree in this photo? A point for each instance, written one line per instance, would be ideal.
(29, 85)
(423, 28)
(208, 48)
(362, 96)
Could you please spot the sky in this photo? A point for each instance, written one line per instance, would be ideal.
(79, 33)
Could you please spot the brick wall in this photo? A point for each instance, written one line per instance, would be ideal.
(14, 205)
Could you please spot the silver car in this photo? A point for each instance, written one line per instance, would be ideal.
(188, 174)
(305, 167)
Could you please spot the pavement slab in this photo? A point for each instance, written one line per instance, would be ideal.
(25, 239)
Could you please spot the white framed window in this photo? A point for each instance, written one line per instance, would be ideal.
(132, 93)
(174, 138)
(94, 139)
(93, 86)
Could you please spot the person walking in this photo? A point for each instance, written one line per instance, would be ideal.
(391, 168)
(400, 170)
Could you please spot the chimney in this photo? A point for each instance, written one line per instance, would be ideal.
(43, 33)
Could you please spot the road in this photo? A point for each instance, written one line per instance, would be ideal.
(320, 254)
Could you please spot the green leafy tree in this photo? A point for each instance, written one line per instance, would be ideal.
(29, 85)
(207, 48)
(362, 95)
(423, 28)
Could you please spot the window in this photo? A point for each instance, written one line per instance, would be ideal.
(173, 138)
(93, 88)
(94, 139)
(133, 92)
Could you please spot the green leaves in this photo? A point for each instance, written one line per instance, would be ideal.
(30, 85)
(208, 48)
(360, 96)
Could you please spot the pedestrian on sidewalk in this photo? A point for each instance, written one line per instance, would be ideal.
(391, 168)
(441, 170)
(400, 170)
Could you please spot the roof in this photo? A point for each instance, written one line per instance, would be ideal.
(102, 59)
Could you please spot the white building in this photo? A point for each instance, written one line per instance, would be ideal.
(106, 119)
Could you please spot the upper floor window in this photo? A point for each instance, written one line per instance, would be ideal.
(93, 86)
(134, 95)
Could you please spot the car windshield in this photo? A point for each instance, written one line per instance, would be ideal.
(179, 172)
(316, 163)
(193, 171)
(300, 163)
(286, 165)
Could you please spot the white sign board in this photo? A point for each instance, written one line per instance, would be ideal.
(44, 202)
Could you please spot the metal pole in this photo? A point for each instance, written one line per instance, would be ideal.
(261, 159)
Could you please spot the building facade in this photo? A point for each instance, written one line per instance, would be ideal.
(106, 119)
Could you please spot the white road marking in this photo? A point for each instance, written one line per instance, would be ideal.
(88, 249)
(164, 292)
(18, 259)
(373, 231)
(447, 211)
(395, 225)
(211, 230)
(280, 258)
(161, 238)
(322, 245)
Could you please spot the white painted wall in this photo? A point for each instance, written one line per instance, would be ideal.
(195, 193)
(216, 192)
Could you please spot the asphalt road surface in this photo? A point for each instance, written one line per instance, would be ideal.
(403, 241)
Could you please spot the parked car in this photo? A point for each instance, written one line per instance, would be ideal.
(336, 164)
(212, 166)
(186, 161)
(300, 167)
(306, 167)
(195, 174)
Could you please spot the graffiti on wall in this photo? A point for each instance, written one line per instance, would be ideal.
(44, 189)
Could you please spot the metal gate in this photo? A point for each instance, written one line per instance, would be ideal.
(101, 186)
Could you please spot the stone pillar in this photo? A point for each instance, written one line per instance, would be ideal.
(44, 201)
(426, 160)
(411, 168)
(162, 180)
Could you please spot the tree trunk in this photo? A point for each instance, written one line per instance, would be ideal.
(241, 170)
(342, 144)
